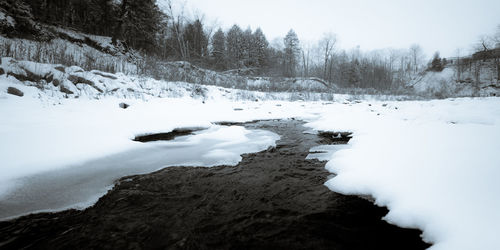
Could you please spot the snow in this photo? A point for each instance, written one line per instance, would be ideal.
(445, 83)
(324, 152)
(43, 131)
(434, 164)
(34, 137)
(81, 184)
(6, 20)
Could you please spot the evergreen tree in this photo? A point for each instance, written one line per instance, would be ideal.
(275, 62)
(291, 53)
(219, 49)
(247, 47)
(139, 23)
(105, 16)
(24, 25)
(354, 74)
(436, 64)
(234, 46)
(261, 48)
(196, 40)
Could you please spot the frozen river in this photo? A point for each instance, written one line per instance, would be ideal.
(80, 186)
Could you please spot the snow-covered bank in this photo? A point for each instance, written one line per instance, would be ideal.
(434, 164)
(81, 185)
(37, 137)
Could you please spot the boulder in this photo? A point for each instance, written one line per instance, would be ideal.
(60, 68)
(65, 90)
(56, 82)
(124, 105)
(78, 79)
(14, 91)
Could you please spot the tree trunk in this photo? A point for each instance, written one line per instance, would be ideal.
(498, 70)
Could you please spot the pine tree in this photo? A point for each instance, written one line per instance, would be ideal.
(354, 74)
(261, 48)
(436, 64)
(234, 47)
(196, 40)
(292, 51)
(219, 49)
(248, 51)
(139, 23)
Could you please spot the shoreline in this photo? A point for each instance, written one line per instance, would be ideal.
(271, 199)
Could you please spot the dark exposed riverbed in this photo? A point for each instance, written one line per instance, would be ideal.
(272, 199)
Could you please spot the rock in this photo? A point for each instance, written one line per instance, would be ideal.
(65, 90)
(74, 69)
(60, 68)
(14, 91)
(21, 76)
(2, 71)
(56, 82)
(49, 77)
(123, 105)
(105, 75)
(81, 80)
(78, 79)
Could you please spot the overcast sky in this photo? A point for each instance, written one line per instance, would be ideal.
(443, 25)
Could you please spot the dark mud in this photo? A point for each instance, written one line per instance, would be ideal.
(272, 200)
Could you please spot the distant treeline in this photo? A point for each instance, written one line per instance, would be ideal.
(166, 35)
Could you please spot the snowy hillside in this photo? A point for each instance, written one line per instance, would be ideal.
(57, 82)
(446, 83)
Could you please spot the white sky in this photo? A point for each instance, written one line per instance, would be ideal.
(443, 25)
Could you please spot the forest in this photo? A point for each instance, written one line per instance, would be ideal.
(167, 34)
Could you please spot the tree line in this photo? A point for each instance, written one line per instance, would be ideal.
(168, 35)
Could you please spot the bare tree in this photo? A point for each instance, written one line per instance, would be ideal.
(416, 55)
(393, 56)
(496, 37)
(485, 50)
(458, 66)
(306, 59)
(177, 29)
(327, 45)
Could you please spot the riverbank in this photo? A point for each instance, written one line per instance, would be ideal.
(271, 199)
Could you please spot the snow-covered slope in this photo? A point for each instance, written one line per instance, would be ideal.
(57, 82)
(434, 164)
(446, 83)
